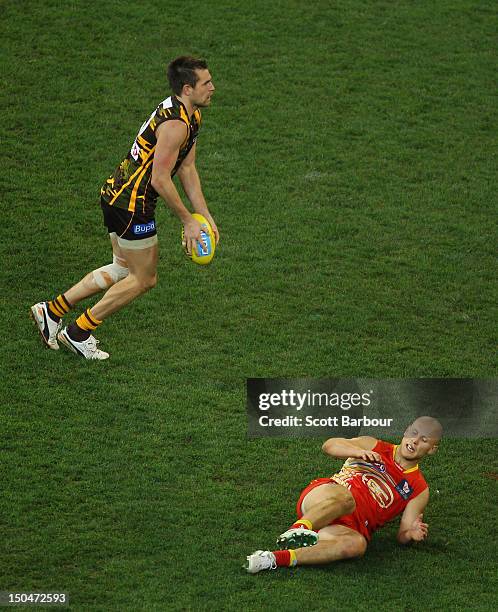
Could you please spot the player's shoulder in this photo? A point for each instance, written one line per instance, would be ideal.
(420, 492)
(171, 108)
(420, 480)
(384, 447)
(417, 482)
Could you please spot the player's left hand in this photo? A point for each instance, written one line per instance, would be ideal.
(369, 456)
(419, 530)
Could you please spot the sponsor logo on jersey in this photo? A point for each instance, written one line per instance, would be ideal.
(139, 229)
(404, 489)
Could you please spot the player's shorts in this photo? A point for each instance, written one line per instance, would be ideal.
(353, 520)
(134, 230)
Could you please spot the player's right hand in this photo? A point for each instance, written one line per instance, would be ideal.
(368, 456)
(213, 227)
(192, 234)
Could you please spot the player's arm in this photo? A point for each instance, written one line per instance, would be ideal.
(412, 528)
(361, 448)
(170, 136)
(191, 183)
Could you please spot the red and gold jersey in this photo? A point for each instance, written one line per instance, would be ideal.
(129, 186)
(381, 490)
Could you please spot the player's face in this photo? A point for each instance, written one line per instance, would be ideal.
(417, 442)
(203, 90)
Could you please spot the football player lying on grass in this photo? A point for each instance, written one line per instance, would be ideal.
(338, 515)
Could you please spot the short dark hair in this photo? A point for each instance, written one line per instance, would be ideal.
(181, 71)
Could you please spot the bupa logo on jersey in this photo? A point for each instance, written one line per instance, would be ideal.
(378, 489)
(140, 229)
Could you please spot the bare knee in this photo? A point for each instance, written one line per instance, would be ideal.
(150, 282)
(329, 496)
(346, 499)
(145, 283)
(353, 548)
(350, 504)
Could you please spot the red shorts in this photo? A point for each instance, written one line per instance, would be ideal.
(353, 520)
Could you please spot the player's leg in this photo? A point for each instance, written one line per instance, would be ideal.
(142, 267)
(48, 315)
(141, 262)
(100, 279)
(318, 507)
(336, 543)
(326, 503)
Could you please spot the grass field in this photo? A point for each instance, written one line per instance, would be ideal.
(349, 159)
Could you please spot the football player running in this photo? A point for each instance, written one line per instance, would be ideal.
(164, 146)
(338, 515)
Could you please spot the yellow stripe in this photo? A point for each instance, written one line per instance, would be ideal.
(56, 310)
(184, 115)
(413, 469)
(133, 199)
(130, 180)
(145, 145)
(92, 319)
(308, 524)
(62, 304)
(82, 323)
(185, 118)
(293, 559)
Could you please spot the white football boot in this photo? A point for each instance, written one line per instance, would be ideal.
(297, 537)
(87, 348)
(47, 327)
(260, 560)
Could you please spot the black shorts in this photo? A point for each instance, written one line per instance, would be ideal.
(128, 225)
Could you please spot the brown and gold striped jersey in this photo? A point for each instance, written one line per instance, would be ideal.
(129, 186)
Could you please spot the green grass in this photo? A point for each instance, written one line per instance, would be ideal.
(349, 160)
